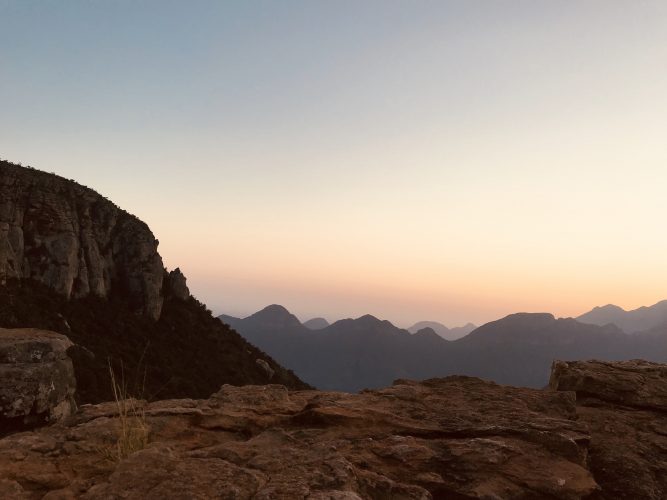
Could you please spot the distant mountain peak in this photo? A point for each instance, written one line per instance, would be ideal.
(275, 315)
(316, 324)
(530, 316)
(518, 322)
(609, 307)
(274, 309)
(368, 318)
(637, 320)
(442, 331)
(433, 325)
(428, 333)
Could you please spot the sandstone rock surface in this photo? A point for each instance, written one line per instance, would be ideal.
(457, 437)
(635, 383)
(624, 405)
(37, 381)
(77, 242)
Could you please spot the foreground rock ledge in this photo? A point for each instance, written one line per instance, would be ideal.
(457, 437)
(37, 381)
(624, 405)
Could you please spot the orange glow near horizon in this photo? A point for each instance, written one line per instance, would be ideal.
(448, 161)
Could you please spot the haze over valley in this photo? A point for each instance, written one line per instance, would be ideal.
(367, 352)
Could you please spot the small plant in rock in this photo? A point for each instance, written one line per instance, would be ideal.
(132, 430)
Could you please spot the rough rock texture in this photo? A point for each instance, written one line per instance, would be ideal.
(36, 378)
(624, 404)
(177, 284)
(635, 383)
(457, 437)
(75, 241)
(266, 367)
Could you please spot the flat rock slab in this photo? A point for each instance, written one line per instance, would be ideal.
(456, 437)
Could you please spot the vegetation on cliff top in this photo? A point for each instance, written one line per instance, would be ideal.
(186, 353)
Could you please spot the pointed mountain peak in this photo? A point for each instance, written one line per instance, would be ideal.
(427, 333)
(275, 315)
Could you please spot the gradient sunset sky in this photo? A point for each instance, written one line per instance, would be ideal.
(453, 161)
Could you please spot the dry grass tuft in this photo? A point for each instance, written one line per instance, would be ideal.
(132, 431)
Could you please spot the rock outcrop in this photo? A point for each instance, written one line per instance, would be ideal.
(178, 284)
(70, 238)
(457, 437)
(37, 381)
(74, 263)
(624, 406)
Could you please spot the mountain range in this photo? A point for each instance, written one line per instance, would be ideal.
(446, 333)
(637, 320)
(366, 352)
(73, 262)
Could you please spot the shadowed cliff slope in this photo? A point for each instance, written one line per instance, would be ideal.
(73, 262)
(637, 320)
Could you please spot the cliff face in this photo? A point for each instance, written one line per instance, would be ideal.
(75, 241)
(74, 263)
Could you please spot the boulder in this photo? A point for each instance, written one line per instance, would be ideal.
(37, 381)
(266, 367)
(623, 405)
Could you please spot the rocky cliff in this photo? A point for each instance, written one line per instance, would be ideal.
(72, 239)
(590, 436)
(73, 263)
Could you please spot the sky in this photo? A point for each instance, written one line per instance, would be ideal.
(452, 161)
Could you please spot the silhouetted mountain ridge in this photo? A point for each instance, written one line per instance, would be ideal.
(444, 332)
(367, 352)
(274, 316)
(637, 320)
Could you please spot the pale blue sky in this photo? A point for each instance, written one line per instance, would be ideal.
(416, 160)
